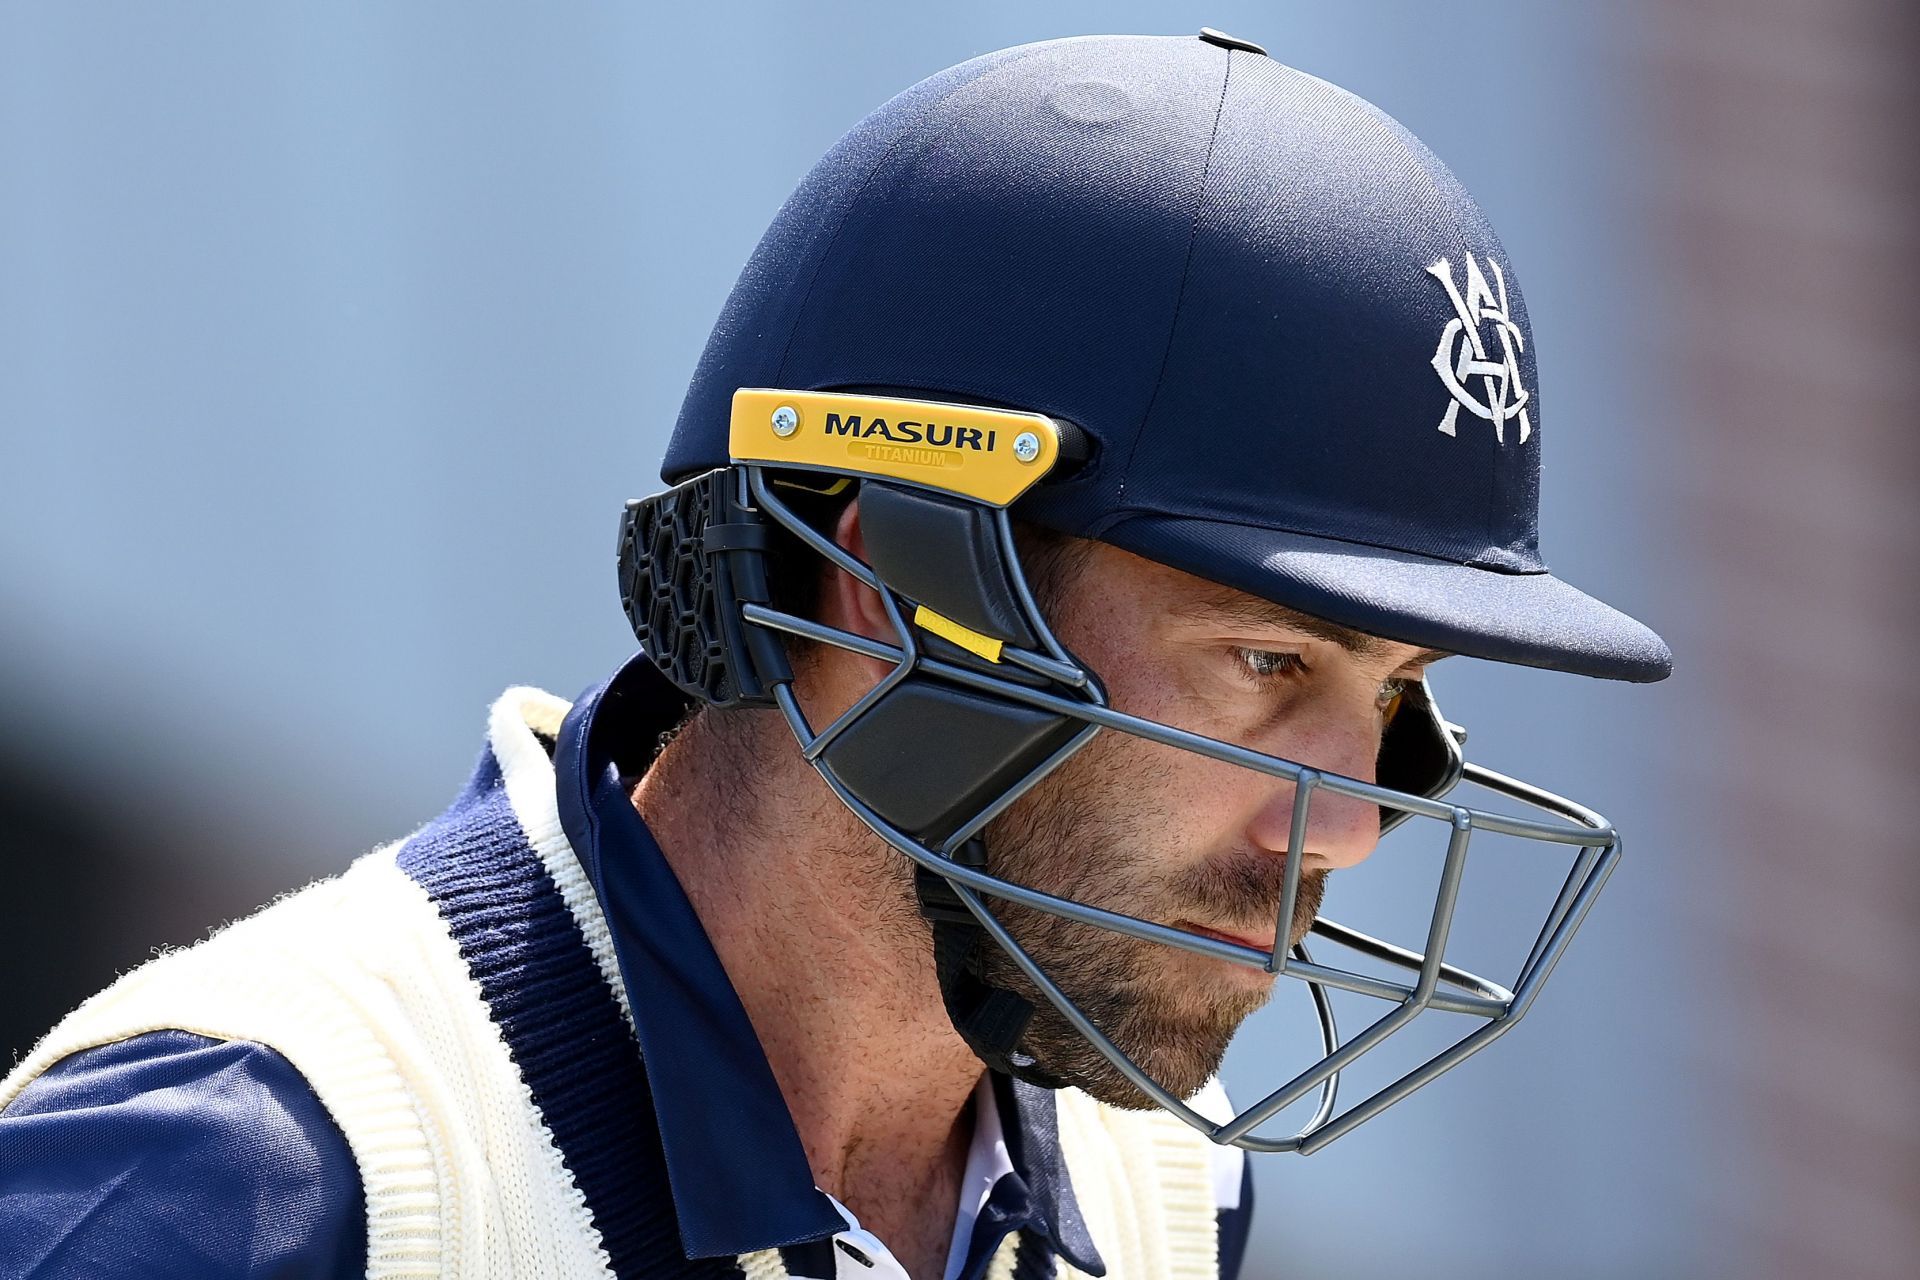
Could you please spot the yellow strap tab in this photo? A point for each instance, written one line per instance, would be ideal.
(947, 629)
(990, 455)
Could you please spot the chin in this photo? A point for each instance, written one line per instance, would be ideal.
(1179, 1053)
(1182, 1079)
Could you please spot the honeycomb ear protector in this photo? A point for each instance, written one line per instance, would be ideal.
(689, 558)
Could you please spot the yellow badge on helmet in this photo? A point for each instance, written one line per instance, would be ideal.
(990, 455)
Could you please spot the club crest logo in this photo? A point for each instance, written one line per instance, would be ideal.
(1478, 358)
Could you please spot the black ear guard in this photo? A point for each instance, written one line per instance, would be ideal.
(929, 754)
(944, 554)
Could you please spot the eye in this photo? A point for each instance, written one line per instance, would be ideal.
(1266, 665)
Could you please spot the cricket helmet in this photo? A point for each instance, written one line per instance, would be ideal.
(1169, 294)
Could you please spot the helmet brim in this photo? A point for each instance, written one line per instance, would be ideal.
(1532, 619)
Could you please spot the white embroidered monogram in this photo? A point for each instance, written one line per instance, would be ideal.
(1464, 352)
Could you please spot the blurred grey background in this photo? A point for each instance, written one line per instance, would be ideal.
(333, 337)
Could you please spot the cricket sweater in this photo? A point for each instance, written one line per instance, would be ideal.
(528, 1062)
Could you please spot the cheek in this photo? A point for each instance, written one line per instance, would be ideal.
(1185, 686)
(1172, 805)
(1162, 688)
(1166, 808)
(1201, 793)
(1326, 726)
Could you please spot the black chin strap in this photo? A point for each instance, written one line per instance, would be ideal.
(990, 1019)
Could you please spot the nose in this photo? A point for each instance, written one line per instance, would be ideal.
(1341, 830)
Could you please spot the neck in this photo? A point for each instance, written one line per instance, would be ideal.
(813, 918)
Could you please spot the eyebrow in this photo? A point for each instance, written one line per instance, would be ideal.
(1246, 610)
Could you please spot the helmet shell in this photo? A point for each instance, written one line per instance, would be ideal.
(1297, 347)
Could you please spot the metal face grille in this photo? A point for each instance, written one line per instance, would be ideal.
(1422, 980)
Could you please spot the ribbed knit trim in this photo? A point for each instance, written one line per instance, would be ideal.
(528, 775)
(1145, 1180)
(562, 1025)
(763, 1264)
(1034, 1260)
(1183, 1173)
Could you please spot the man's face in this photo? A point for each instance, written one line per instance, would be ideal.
(1173, 837)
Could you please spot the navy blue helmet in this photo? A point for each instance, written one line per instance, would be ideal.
(1297, 349)
(1171, 295)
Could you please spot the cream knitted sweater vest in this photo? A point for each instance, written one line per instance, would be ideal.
(358, 982)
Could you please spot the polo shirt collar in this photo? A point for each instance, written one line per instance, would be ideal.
(739, 1175)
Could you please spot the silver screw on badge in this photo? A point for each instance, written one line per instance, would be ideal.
(786, 420)
(1026, 446)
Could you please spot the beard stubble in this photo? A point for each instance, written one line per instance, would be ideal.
(1077, 835)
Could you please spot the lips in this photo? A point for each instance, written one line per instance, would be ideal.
(1257, 942)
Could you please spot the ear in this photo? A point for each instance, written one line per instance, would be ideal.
(850, 604)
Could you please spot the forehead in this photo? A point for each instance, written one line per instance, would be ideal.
(1174, 597)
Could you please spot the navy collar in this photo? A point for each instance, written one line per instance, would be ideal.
(739, 1175)
(1031, 1115)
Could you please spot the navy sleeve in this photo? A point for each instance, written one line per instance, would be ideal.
(1235, 1225)
(172, 1155)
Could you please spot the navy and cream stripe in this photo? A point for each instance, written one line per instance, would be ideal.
(562, 1026)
